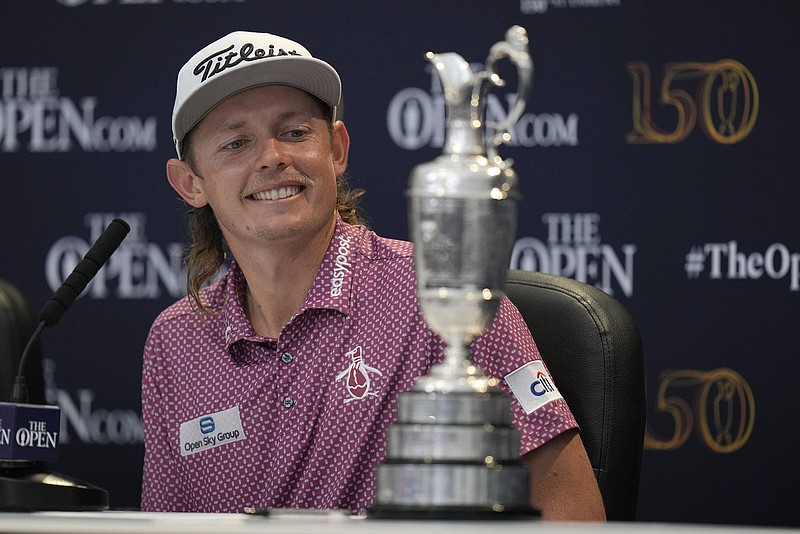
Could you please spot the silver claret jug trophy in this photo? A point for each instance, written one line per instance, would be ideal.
(452, 452)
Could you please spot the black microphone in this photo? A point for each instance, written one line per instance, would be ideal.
(83, 273)
(29, 433)
(73, 286)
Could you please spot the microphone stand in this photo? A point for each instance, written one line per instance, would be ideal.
(28, 486)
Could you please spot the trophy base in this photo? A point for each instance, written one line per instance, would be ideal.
(451, 513)
(459, 485)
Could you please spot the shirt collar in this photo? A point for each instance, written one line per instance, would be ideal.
(333, 285)
(331, 289)
(237, 325)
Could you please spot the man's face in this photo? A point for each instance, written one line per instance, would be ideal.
(267, 165)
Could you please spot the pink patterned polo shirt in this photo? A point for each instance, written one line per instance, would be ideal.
(232, 419)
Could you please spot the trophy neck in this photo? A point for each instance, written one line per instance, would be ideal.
(463, 138)
(465, 129)
(464, 93)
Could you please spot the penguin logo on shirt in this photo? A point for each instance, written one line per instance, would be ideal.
(356, 376)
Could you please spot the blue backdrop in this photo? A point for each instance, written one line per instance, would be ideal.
(658, 160)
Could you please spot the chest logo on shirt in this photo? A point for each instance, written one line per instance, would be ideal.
(212, 430)
(356, 376)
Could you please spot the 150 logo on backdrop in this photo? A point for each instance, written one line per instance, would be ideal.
(574, 249)
(34, 117)
(719, 404)
(725, 103)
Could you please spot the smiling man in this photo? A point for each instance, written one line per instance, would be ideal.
(275, 386)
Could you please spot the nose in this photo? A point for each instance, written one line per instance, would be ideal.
(273, 154)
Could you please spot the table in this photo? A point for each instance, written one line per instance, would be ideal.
(322, 522)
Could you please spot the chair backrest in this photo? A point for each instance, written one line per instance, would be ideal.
(17, 323)
(594, 351)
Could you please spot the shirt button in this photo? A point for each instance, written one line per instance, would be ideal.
(288, 402)
(287, 357)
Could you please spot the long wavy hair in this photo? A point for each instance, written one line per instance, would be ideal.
(206, 252)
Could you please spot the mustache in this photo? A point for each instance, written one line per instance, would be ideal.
(285, 178)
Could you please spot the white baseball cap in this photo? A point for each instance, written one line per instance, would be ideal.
(242, 60)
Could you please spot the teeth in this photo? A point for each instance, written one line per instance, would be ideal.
(277, 194)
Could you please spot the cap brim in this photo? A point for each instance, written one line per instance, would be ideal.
(309, 74)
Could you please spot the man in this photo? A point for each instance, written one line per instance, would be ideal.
(242, 395)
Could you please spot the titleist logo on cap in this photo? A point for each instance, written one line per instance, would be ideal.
(225, 59)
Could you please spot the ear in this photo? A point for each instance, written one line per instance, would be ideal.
(186, 183)
(341, 147)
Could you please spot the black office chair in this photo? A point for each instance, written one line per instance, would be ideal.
(27, 486)
(17, 323)
(594, 351)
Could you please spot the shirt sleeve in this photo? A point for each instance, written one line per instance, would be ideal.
(508, 352)
(161, 485)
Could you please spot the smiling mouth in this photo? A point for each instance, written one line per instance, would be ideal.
(277, 194)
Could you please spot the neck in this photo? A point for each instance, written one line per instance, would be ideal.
(279, 276)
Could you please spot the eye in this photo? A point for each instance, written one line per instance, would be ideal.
(295, 133)
(235, 145)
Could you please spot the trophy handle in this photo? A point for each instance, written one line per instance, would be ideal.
(515, 48)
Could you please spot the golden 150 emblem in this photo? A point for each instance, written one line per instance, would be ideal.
(723, 409)
(725, 105)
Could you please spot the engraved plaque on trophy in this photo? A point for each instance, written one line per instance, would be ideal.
(452, 451)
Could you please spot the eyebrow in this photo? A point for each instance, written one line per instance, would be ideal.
(283, 116)
(233, 126)
(299, 112)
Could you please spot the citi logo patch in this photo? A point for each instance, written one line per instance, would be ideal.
(532, 386)
(356, 376)
(542, 385)
(212, 430)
